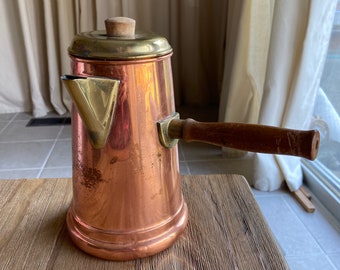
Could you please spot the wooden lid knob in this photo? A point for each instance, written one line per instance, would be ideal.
(120, 27)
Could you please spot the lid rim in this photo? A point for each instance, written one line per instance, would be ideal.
(97, 45)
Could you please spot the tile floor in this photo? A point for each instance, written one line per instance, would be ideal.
(309, 241)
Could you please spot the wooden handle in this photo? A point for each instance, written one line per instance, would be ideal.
(248, 137)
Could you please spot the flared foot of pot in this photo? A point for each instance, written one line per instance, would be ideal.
(126, 245)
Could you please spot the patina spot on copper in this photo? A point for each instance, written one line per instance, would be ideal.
(91, 177)
(114, 160)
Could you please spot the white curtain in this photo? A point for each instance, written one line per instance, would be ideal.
(277, 62)
(37, 33)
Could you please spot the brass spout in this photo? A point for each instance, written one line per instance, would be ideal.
(95, 99)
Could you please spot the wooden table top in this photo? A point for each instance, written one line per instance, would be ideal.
(226, 229)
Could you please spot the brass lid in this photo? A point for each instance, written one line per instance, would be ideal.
(97, 45)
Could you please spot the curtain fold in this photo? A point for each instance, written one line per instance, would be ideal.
(32, 30)
(275, 76)
(13, 76)
(246, 60)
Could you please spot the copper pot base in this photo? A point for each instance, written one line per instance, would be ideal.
(126, 245)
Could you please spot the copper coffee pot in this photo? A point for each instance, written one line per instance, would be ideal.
(127, 201)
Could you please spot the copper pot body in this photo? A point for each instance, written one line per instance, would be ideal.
(127, 200)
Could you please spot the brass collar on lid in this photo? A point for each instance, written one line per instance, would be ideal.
(97, 45)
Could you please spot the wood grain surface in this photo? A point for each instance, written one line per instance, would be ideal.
(226, 229)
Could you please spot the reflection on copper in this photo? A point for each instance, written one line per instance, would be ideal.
(127, 199)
